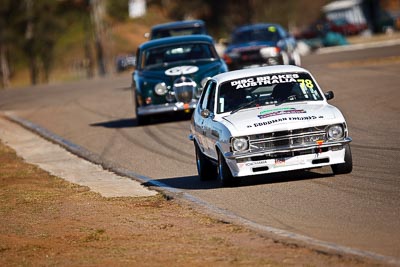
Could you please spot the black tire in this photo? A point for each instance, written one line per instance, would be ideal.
(224, 173)
(347, 166)
(142, 120)
(205, 168)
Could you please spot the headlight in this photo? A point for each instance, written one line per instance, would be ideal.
(267, 52)
(160, 88)
(240, 143)
(335, 132)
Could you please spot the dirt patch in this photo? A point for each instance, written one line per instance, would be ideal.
(46, 221)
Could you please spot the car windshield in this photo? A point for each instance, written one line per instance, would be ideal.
(259, 34)
(272, 89)
(177, 52)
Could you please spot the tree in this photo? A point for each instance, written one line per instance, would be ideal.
(42, 29)
(9, 11)
(83, 9)
(97, 9)
(223, 16)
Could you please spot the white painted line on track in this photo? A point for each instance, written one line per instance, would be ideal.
(328, 247)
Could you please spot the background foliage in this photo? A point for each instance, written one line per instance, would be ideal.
(47, 40)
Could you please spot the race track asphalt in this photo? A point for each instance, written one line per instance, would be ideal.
(360, 210)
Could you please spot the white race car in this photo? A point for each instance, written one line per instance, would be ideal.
(266, 120)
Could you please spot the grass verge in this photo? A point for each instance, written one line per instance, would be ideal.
(46, 221)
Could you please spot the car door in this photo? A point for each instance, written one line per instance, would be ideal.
(209, 119)
(200, 119)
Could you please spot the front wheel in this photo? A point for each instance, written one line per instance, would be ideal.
(142, 120)
(224, 173)
(347, 166)
(205, 168)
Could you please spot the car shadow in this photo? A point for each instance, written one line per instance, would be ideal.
(132, 122)
(284, 177)
(194, 183)
(116, 124)
(187, 182)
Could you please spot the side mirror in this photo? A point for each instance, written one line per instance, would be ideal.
(205, 113)
(329, 95)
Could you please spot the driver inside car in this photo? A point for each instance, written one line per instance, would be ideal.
(233, 98)
(287, 91)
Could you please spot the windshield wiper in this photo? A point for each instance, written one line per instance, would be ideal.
(245, 105)
(288, 99)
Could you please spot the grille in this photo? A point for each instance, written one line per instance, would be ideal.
(183, 89)
(287, 139)
(184, 94)
(250, 55)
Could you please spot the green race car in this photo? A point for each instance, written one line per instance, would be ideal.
(170, 73)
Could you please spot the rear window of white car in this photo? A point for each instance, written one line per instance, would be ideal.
(267, 90)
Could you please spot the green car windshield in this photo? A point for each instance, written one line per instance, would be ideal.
(271, 89)
(176, 53)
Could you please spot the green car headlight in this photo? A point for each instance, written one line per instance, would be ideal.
(160, 88)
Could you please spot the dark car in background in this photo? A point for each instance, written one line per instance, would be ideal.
(125, 62)
(170, 73)
(346, 28)
(177, 28)
(261, 44)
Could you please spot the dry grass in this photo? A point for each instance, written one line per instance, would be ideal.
(46, 221)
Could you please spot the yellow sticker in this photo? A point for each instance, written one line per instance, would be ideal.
(306, 82)
(271, 29)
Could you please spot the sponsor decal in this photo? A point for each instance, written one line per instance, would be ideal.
(181, 70)
(248, 164)
(297, 118)
(279, 111)
(264, 80)
(280, 162)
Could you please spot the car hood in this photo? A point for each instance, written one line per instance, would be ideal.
(249, 46)
(280, 118)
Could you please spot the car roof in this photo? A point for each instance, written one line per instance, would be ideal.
(255, 26)
(177, 39)
(251, 72)
(178, 24)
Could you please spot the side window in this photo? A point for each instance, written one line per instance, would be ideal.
(208, 91)
(211, 97)
(138, 58)
(203, 96)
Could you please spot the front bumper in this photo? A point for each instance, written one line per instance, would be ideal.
(166, 108)
(306, 157)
